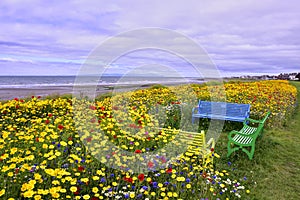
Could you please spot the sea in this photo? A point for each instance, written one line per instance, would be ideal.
(33, 82)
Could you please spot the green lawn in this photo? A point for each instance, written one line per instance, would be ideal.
(274, 172)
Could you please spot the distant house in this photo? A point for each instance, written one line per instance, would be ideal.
(288, 76)
(284, 76)
(297, 77)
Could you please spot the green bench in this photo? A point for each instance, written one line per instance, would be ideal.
(246, 137)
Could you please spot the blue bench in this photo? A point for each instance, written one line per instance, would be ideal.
(221, 111)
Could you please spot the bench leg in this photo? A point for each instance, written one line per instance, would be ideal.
(231, 150)
(250, 153)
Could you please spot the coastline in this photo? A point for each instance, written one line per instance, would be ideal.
(9, 93)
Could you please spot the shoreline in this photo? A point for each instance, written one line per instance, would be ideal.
(44, 91)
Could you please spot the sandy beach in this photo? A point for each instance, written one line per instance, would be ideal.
(43, 91)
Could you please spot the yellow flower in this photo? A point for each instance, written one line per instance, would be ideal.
(188, 186)
(2, 192)
(28, 194)
(86, 196)
(132, 195)
(114, 184)
(73, 189)
(95, 190)
(85, 180)
(55, 195)
(63, 190)
(37, 197)
(10, 174)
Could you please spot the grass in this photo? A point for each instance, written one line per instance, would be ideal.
(274, 172)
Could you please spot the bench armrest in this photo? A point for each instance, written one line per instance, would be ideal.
(211, 143)
(195, 110)
(252, 120)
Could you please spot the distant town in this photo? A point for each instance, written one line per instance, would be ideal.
(282, 76)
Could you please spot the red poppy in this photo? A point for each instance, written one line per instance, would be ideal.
(94, 198)
(77, 192)
(212, 149)
(37, 139)
(60, 127)
(138, 151)
(130, 180)
(150, 164)
(50, 114)
(89, 139)
(39, 97)
(47, 121)
(70, 138)
(141, 177)
(80, 168)
(169, 170)
(32, 97)
(163, 160)
(16, 99)
(92, 107)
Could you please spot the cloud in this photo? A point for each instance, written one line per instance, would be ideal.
(240, 37)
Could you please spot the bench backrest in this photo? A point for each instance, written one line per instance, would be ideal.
(224, 109)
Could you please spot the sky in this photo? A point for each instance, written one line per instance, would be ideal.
(249, 37)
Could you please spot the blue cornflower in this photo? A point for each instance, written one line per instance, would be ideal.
(126, 196)
(154, 184)
(188, 180)
(166, 183)
(139, 196)
(103, 180)
(145, 187)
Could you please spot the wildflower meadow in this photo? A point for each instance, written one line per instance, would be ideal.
(120, 146)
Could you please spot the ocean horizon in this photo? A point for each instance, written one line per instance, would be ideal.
(69, 80)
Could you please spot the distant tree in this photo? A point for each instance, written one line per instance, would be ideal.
(298, 76)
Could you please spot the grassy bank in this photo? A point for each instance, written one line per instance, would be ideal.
(274, 172)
